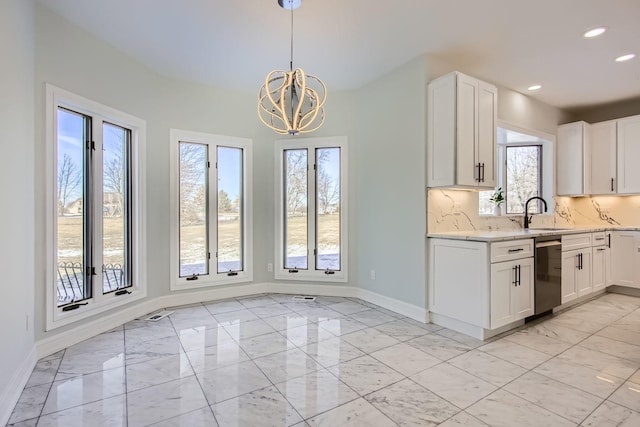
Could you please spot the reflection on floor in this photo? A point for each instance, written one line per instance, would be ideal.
(267, 360)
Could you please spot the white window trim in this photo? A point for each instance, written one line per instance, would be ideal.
(548, 164)
(311, 275)
(99, 303)
(213, 279)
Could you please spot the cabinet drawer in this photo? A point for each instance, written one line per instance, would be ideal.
(513, 249)
(598, 238)
(576, 241)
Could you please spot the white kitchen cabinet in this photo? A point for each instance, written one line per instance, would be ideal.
(576, 274)
(576, 266)
(459, 280)
(470, 294)
(600, 266)
(603, 157)
(625, 258)
(572, 168)
(628, 154)
(512, 291)
(461, 132)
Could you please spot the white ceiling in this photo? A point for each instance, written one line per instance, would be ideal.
(348, 43)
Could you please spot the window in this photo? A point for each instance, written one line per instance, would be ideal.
(520, 171)
(94, 221)
(210, 193)
(311, 220)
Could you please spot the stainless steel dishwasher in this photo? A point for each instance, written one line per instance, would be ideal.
(548, 273)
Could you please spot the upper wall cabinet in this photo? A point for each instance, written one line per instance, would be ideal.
(461, 132)
(603, 158)
(572, 168)
(599, 159)
(628, 155)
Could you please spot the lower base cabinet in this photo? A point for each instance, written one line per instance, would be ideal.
(576, 274)
(512, 291)
(480, 284)
(600, 267)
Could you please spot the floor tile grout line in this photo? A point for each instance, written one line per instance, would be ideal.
(427, 331)
(193, 370)
(50, 387)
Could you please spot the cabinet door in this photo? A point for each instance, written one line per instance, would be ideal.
(487, 145)
(628, 155)
(599, 267)
(568, 281)
(603, 158)
(503, 286)
(441, 132)
(623, 248)
(570, 152)
(523, 302)
(583, 272)
(467, 131)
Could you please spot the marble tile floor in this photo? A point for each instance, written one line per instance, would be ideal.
(266, 360)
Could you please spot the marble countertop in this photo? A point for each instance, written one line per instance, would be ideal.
(501, 235)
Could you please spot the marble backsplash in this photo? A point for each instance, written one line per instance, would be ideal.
(457, 210)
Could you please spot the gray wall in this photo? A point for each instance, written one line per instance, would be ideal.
(601, 113)
(16, 176)
(391, 192)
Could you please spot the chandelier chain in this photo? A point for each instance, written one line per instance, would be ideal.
(291, 53)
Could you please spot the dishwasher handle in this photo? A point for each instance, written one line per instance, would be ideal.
(548, 244)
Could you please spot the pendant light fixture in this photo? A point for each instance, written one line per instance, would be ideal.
(290, 102)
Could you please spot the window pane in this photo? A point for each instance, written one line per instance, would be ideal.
(71, 222)
(230, 209)
(485, 207)
(194, 189)
(523, 177)
(115, 208)
(295, 227)
(328, 208)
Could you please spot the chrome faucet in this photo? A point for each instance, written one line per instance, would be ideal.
(527, 219)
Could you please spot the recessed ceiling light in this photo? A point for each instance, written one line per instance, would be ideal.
(595, 32)
(534, 87)
(625, 57)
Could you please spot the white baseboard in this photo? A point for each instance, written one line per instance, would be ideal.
(320, 290)
(62, 340)
(11, 391)
(624, 290)
(414, 312)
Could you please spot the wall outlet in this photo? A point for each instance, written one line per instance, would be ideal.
(270, 267)
(373, 275)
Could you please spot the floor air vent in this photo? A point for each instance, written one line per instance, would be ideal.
(303, 298)
(158, 316)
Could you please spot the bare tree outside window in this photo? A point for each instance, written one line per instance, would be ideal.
(523, 177)
(69, 178)
(328, 186)
(296, 170)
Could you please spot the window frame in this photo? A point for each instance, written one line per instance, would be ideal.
(547, 165)
(100, 114)
(212, 141)
(311, 274)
